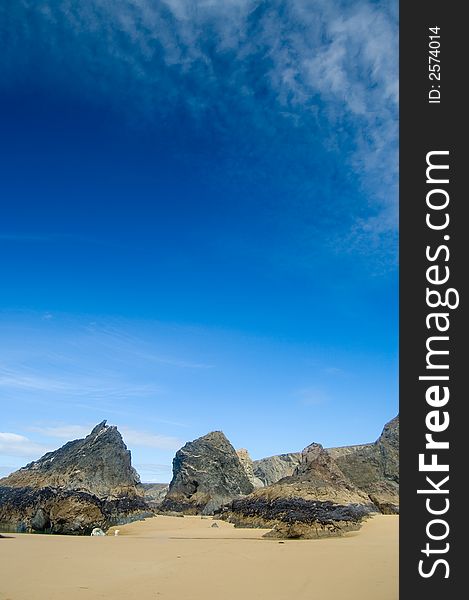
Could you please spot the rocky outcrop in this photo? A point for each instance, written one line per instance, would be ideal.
(272, 469)
(374, 468)
(318, 470)
(316, 500)
(53, 510)
(295, 517)
(248, 465)
(84, 484)
(155, 493)
(99, 464)
(207, 473)
(342, 451)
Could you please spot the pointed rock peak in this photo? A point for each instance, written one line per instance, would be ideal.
(392, 424)
(390, 433)
(312, 451)
(99, 464)
(315, 458)
(216, 433)
(98, 428)
(214, 436)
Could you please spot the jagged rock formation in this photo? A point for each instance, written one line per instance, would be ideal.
(318, 470)
(91, 483)
(374, 468)
(316, 500)
(84, 484)
(248, 464)
(272, 469)
(99, 464)
(207, 473)
(155, 493)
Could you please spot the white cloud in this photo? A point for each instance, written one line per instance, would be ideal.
(134, 437)
(13, 444)
(347, 53)
(328, 61)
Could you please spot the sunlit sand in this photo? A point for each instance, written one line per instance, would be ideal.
(188, 559)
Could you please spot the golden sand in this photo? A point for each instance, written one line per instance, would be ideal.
(172, 558)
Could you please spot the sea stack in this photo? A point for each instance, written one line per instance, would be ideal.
(317, 500)
(207, 473)
(84, 484)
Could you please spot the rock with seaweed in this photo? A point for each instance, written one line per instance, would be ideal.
(86, 483)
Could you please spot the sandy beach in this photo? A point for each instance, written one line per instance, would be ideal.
(187, 559)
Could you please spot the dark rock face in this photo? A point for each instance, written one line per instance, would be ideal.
(65, 511)
(297, 517)
(374, 468)
(317, 500)
(84, 484)
(40, 520)
(272, 469)
(99, 464)
(207, 473)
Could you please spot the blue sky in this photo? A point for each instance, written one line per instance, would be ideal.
(199, 224)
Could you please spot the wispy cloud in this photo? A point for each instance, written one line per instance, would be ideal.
(329, 67)
(154, 471)
(68, 368)
(144, 439)
(13, 444)
(96, 388)
(312, 396)
(116, 339)
(132, 437)
(334, 371)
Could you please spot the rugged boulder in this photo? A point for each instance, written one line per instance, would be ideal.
(207, 473)
(316, 500)
(374, 468)
(84, 484)
(272, 469)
